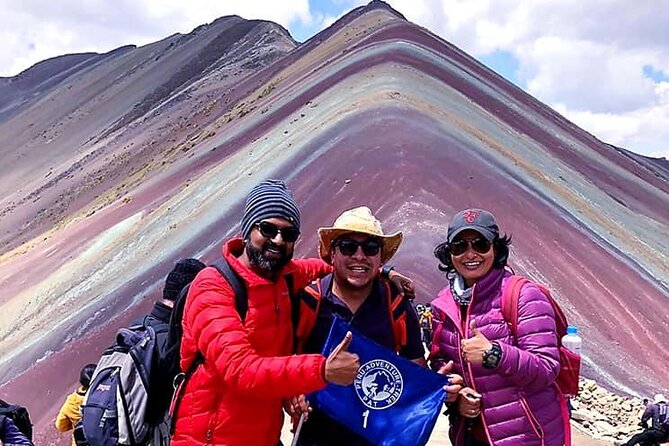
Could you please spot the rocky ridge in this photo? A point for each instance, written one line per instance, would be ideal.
(603, 415)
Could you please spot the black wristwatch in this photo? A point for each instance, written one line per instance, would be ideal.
(492, 357)
(385, 270)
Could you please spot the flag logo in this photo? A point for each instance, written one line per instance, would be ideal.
(379, 384)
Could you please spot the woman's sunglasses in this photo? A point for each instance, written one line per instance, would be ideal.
(269, 230)
(459, 247)
(348, 247)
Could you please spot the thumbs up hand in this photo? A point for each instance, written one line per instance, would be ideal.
(474, 347)
(342, 366)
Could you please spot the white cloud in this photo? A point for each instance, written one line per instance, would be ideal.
(586, 75)
(645, 127)
(34, 30)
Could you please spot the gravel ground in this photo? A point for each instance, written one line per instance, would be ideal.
(440, 437)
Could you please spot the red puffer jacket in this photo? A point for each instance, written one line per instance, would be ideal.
(235, 397)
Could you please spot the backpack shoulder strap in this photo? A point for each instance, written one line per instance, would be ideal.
(241, 297)
(510, 296)
(294, 300)
(290, 282)
(560, 318)
(306, 305)
(398, 316)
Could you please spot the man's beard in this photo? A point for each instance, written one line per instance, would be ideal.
(258, 259)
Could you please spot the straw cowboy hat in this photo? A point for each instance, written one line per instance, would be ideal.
(359, 220)
(659, 398)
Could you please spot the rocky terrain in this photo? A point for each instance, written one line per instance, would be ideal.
(605, 415)
(599, 418)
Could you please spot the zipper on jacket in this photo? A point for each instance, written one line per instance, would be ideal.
(277, 296)
(459, 337)
(536, 426)
(209, 435)
(465, 330)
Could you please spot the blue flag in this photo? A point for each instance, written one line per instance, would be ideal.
(392, 400)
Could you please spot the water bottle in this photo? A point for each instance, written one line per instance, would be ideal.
(572, 341)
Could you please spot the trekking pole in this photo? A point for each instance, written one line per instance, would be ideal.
(298, 429)
(469, 436)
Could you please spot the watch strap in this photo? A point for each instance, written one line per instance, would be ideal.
(492, 357)
(386, 269)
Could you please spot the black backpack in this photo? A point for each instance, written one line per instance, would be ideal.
(175, 331)
(19, 415)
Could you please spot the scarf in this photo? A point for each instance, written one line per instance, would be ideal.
(459, 290)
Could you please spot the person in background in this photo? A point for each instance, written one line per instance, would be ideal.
(658, 432)
(70, 412)
(425, 321)
(508, 397)
(164, 368)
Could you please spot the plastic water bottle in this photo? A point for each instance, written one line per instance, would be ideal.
(572, 341)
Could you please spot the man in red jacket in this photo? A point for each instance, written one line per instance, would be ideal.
(235, 396)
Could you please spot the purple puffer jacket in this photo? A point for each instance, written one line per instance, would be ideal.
(520, 405)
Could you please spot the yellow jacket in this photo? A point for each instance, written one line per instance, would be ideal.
(70, 412)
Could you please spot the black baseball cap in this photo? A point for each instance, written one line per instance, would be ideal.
(479, 220)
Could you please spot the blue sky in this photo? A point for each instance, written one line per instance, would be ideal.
(655, 74)
(504, 64)
(604, 64)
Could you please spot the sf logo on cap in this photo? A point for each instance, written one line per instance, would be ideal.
(471, 215)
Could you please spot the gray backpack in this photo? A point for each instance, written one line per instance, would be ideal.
(114, 410)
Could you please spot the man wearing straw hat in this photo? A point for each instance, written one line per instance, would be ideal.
(356, 247)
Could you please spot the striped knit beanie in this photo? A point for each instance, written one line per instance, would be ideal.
(269, 199)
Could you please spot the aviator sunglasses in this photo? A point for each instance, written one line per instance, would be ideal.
(459, 247)
(348, 247)
(269, 230)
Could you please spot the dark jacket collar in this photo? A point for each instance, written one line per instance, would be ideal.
(161, 312)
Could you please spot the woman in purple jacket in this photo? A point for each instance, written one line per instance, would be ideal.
(508, 397)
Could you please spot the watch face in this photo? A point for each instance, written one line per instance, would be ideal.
(492, 357)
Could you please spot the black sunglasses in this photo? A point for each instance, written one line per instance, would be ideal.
(269, 230)
(459, 247)
(348, 247)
